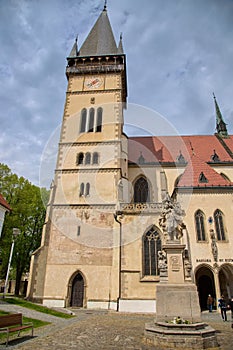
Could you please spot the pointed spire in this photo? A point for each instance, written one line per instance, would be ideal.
(74, 51)
(100, 40)
(221, 127)
(120, 49)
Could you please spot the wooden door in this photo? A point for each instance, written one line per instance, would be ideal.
(77, 293)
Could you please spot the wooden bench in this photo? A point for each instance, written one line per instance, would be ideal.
(13, 323)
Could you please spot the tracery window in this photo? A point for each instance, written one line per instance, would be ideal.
(219, 225)
(200, 225)
(141, 191)
(151, 247)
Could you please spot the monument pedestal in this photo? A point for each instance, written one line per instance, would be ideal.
(177, 299)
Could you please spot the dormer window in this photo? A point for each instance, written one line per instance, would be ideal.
(202, 178)
(141, 159)
(180, 158)
(215, 157)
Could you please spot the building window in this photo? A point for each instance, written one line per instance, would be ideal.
(141, 191)
(200, 225)
(83, 120)
(91, 120)
(151, 247)
(99, 119)
(95, 158)
(81, 189)
(219, 225)
(80, 158)
(88, 158)
(87, 189)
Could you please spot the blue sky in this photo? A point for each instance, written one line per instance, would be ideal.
(178, 53)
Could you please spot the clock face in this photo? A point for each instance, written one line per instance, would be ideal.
(93, 83)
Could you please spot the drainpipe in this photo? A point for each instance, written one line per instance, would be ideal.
(119, 213)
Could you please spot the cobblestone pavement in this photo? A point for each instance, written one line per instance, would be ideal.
(92, 329)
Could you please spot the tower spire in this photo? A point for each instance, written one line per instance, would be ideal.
(120, 49)
(221, 127)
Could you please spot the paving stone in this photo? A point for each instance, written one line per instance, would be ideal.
(102, 330)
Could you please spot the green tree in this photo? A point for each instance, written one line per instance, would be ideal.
(28, 214)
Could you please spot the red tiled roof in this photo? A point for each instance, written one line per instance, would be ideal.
(4, 203)
(168, 148)
(196, 150)
(200, 174)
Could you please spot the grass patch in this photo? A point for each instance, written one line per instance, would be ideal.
(36, 324)
(36, 307)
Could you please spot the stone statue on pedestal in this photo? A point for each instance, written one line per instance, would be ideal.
(171, 220)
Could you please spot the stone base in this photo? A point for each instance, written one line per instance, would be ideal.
(175, 300)
(181, 336)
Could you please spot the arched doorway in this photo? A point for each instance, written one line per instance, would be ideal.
(226, 280)
(205, 285)
(77, 291)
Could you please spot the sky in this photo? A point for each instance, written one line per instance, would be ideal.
(178, 53)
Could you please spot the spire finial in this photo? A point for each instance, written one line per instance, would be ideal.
(121, 36)
(214, 96)
(105, 5)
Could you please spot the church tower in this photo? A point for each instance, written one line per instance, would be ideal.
(78, 261)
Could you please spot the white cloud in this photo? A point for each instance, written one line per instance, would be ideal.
(178, 53)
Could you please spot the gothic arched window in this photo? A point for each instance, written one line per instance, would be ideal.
(99, 119)
(141, 191)
(91, 120)
(81, 189)
(219, 225)
(83, 120)
(95, 158)
(87, 193)
(80, 158)
(88, 158)
(151, 247)
(200, 225)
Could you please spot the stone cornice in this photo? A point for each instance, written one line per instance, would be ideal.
(87, 170)
(89, 143)
(85, 206)
(88, 92)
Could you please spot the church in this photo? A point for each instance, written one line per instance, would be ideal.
(101, 242)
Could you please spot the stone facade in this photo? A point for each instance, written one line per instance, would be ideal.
(102, 235)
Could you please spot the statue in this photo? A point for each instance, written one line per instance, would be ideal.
(214, 247)
(171, 220)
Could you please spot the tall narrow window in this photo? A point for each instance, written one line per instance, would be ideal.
(87, 189)
(200, 225)
(88, 158)
(141, 191)
(81, 189)
(99, 119)
(91, 120)
(80, 158)
(151, 247)
(95, 158)
(83, 120)
(219, 225)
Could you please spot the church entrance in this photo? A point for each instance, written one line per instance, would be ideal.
(205, 286)
(226, 280)
(77, 292)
